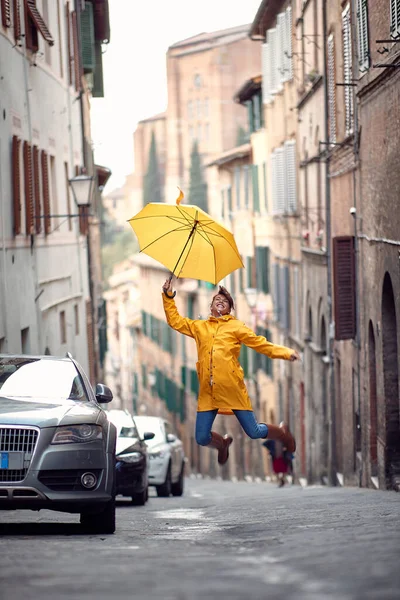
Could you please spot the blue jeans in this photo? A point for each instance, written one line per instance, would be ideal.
(246, 418)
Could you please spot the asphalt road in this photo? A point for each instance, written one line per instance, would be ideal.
(221, 540)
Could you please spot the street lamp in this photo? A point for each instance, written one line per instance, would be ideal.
(82, 189)
(251, 297)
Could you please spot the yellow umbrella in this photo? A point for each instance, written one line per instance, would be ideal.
(186, 240)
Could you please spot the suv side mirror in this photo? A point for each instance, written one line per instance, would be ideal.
(148, 435)
(171, 438)
(103, 394)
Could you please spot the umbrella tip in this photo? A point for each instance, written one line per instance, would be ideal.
(180, 197)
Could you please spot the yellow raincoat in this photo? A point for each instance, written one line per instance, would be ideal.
(218, 343)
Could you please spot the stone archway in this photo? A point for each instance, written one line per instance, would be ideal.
(373, 404)
(391, 382)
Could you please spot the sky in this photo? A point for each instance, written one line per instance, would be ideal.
(135, 67)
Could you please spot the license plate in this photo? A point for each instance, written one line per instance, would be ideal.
(12, 460)
(3, 460)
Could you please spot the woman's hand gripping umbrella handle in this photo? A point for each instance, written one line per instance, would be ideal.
(167, 288)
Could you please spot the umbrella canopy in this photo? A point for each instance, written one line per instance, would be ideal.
(187, 241)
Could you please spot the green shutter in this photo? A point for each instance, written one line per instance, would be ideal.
(98, 82)
(190, 306)
(229, 191)
(223, 204)
(183, 376)
(262, 269)
(257, 113)
(250, 115)
(249, 271)
(256, 191)
(87, 39)
(144, 376)
(194, 382)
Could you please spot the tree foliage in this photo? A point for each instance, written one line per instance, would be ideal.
(197, 186)
(152, 178)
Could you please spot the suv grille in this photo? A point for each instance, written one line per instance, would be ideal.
(65, 480)
(17, 439)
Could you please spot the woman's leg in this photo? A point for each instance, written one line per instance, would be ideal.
(206, 437)
(250, 425)
(204, 422)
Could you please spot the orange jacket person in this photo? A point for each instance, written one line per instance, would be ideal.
(221, 378)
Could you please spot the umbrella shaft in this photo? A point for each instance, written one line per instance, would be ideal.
(184, 248)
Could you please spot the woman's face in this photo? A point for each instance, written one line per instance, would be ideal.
(220, 306)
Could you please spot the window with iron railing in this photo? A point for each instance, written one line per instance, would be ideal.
(347, 71)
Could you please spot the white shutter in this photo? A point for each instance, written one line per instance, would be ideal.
(290, 177)
(331, 89)
(273, 183)
(271, 40)
(289, 39)
(266, 74)
(281, 38)
(347, 71)
(363, 39)
(394, 18)
(280, 181)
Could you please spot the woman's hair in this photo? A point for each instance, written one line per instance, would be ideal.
(224, 292)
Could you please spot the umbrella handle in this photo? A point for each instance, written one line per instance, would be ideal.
(166, 293)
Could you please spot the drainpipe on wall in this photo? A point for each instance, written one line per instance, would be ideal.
(86, 162)
(331, 380)
(356, 217)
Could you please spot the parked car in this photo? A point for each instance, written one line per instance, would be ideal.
(57, 447)
(132, 460)
(167, 460)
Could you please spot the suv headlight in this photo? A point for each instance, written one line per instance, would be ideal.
(130, 457)
(75, 434)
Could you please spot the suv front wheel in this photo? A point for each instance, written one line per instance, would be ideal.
(164, 490)
(100, 522)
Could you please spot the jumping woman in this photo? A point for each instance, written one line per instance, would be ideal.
(222, 388)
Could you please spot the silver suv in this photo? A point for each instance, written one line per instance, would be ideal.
(57, 447)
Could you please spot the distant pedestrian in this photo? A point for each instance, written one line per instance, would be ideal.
(222, 388)
(281, 458)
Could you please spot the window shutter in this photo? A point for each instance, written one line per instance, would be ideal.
(6, 13)
(281, 39)
(46, 192)
(344, 287)
(250, 115)
(262, 269)
(237, 187)
(17, 20)
(279, 182)
(28, 182)
(87, 39)
(265, 186)
(277, 292)
(98, 82)
(223, 204)
(272, 42)
(286, 298)
(256, 112)
(296, 301)
(36, 188)
(77, 61)
(289, 38)
(249, 271)
(290, 177)
(347, 70)
(331, 89)
(38, 21)
(229, 192)
(69, 53)
(256, 191)
(246, 186)
(363, 38)
(394, 17)
(266, 74)
(16, 179)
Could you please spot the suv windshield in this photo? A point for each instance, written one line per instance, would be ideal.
(22, 377)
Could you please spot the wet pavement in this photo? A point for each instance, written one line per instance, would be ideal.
(237, 541)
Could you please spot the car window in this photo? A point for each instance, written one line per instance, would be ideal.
(40, 378)
(129, 432)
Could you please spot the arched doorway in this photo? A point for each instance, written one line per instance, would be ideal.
(391, 381)
(373, 406)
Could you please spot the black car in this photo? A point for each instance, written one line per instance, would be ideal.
(132, 461)
(57, 447)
